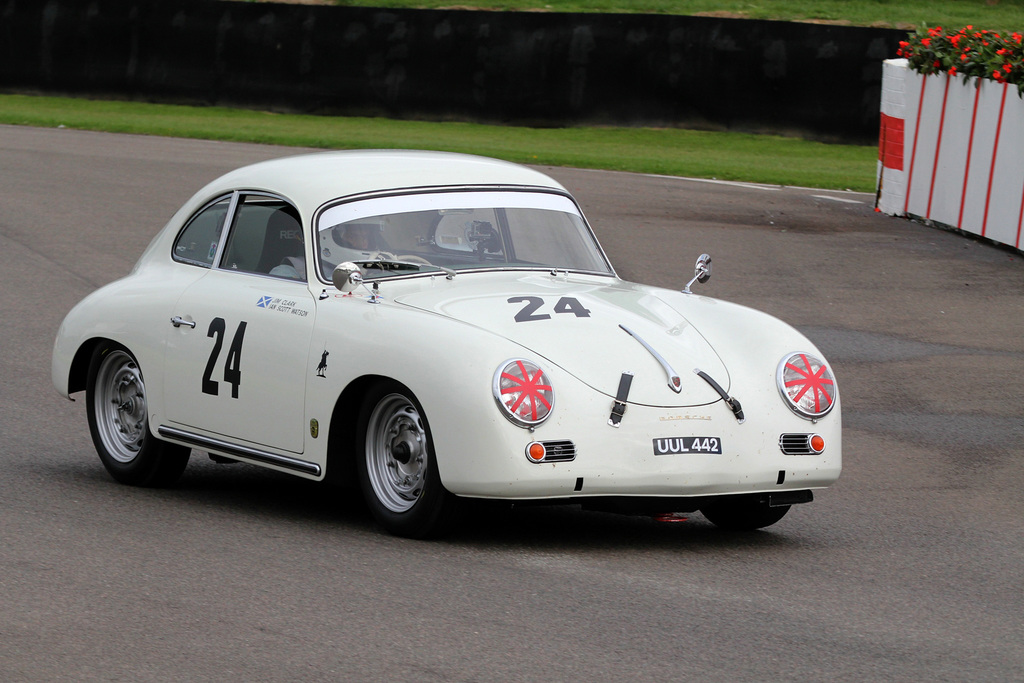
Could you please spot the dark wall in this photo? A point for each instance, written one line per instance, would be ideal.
(513, 67)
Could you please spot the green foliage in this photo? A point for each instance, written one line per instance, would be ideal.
(967, 52)
(1004, 15)
(729, 156)
(666, 151)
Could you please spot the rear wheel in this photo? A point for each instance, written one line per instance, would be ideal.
(397, 470)
(743, 513)
(119, 422)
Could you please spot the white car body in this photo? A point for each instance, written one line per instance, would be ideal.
(280, 380)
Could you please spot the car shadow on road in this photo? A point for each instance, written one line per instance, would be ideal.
(571, 526)
(237, 490)
(480, 524)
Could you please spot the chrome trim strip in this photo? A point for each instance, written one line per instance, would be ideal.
(234, 450)
(225, 230)
(674, 382)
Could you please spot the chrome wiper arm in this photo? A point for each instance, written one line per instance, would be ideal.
(388, 264)
(674, 382)
(395, 264)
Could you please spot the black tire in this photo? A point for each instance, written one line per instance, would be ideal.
(743, 513)
(396, 466)
(119, 422)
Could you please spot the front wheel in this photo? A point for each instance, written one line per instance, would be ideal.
(743, 513)
(119, 422)
(397, 470)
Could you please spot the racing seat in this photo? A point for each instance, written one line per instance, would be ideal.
(282, 246)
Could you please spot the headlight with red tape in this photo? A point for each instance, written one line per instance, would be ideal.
(807, 385)
(522, 390)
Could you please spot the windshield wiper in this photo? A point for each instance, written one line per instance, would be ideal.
(397, 265)
(388, 264)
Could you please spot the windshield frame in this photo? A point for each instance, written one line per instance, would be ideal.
(352, 208)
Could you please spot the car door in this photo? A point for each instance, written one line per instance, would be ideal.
(238, 344)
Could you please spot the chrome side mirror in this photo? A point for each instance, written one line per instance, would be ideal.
(702, 269)
(347, 276)
(701, 272)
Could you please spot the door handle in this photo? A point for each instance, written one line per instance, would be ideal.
(178, 321)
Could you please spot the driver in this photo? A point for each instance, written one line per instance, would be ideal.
(357, 242)
(358, 236)
(360, 242)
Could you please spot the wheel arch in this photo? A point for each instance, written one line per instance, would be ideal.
(78, 371)
(341, 446)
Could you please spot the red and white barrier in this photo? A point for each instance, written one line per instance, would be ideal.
(951, 152)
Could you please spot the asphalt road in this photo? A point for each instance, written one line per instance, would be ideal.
(910, 568)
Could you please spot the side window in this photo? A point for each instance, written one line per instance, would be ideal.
(197, 243)
(266, 238)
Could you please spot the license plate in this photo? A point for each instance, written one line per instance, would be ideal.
(681, 445)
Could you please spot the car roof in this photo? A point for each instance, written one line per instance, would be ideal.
(310, 180)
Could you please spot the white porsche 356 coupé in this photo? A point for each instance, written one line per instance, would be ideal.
(439, 327)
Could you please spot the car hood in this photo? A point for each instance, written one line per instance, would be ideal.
(577, 324)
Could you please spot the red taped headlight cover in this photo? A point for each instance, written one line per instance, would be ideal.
(807, 385)
(523, 392)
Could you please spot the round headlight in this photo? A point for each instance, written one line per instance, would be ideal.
(523, 392)
(807, 385)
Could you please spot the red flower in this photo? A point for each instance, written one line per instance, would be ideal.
(932, 50)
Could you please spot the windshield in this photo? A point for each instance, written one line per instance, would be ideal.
(459, 231)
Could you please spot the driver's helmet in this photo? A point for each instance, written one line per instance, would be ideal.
(353, 241)
(358, 236)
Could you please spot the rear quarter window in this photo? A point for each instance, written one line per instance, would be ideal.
(197, 243)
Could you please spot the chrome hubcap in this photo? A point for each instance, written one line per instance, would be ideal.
(120, 405)
(396, 453)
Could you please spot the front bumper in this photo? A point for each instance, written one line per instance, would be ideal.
(623, 461)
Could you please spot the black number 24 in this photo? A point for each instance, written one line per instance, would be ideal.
(232, 365)
(566, 304)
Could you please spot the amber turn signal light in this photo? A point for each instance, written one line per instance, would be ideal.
(536, 451)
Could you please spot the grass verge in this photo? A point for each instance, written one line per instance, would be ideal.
(669, 151)
(999, 15)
